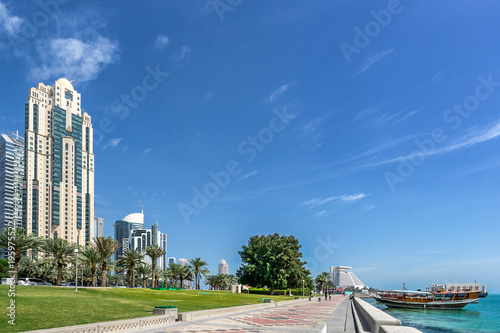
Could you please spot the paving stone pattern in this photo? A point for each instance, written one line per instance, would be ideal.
(299, 317)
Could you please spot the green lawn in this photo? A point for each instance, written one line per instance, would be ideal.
(48, 307)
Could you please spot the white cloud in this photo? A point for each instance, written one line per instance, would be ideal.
(250, 174)
(182, 54)
(147, 151)
(474, 137)
(161, 42)
(207, 97)
(278, 92)
(339, 198)
(112, 143)
(10, 23)
(372, 60)
(74, 59)
(323, 212)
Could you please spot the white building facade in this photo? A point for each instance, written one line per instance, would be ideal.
(223, 267)
(11, 180)
(58, 190)
(343, 278)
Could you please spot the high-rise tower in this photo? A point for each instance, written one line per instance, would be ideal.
(58, 193)
(11, 180)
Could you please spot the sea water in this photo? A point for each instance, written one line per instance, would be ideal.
(483, 317)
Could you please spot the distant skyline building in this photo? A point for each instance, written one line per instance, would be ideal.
(11, 180)
(58, 198)
(171, 260)
(140, 239)
(223, 267)
(98, 227)
(123, 229)
(342, 278)
(183, 261)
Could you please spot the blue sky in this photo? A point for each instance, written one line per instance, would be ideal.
(368, 130)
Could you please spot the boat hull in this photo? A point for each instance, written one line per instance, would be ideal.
(437, 305)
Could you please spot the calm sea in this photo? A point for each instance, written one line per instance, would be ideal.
(483, 317)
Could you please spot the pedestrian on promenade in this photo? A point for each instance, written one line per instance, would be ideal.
(326, 295)
(330, 296)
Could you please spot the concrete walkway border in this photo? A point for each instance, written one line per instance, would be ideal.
(378, 320)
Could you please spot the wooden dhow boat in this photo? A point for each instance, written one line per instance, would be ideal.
(426, 300)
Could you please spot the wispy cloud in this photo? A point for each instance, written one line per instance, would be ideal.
(207, 97)
(161, 42)
(112, 143)
(472, 138)
(322, 213)
(182, 55)
(74, 58)
(250, 174)
(372, 60)
(147, 150)
(369, 111)
(277, 93)
(338, 198)
(8, 22)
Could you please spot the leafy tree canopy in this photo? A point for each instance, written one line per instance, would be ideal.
(272, 261)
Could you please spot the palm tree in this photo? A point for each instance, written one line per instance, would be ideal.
(46, 270)
(28, 265)
(321, 279)
(166, 274)
(18, 242)
(62, 251)
(185, 274)
(92, 260)
(154, 252)
(211, 280)
(105, 247)
(129, 259)
(198, 267)
(144, 270)
(174, 271)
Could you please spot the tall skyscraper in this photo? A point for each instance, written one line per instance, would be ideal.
(11, 180)
(140, 239)
(123, 229)
(58, 193)
(223, 267)
(98, 227)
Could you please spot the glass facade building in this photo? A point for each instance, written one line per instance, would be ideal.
(58, 189)
(11, 180)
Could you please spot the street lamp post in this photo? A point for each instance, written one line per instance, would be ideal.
(303, 288)
(76, 269)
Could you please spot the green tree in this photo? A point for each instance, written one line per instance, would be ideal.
(174, 270)
(211, 280)
(129, 259)
(16, 241)
(198, 267)
(46, 270)
(154, 252)
(62, 252)
(28, 266)
(144, 271)
(92, 260)
(4, 268)
(184, 273)
(321, 279)
(105, 247)
(272, 261)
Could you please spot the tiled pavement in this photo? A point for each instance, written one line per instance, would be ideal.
(299, 317)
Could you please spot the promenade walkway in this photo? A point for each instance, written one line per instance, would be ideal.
(298, 317)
